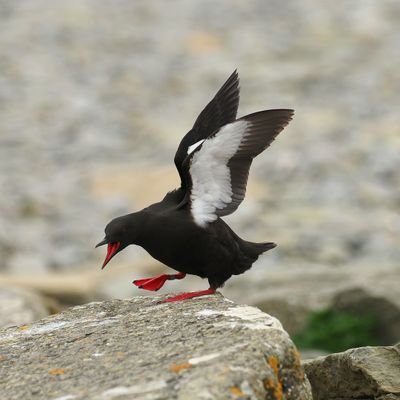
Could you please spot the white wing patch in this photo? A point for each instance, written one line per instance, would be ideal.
(194, 146)
(211, 180)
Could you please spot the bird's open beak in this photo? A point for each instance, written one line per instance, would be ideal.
(112, 249)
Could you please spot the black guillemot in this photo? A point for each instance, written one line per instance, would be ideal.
(185, 230)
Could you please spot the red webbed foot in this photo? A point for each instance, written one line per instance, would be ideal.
(189, 295)
(156, 282)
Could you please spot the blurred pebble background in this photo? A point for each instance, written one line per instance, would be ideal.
(95, 97)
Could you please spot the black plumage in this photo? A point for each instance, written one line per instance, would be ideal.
(184, 230)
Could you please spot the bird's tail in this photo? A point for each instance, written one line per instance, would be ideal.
(249, 254)
(253, 250)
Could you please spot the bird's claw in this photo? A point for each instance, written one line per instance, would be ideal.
(188, 295)
(157, 282)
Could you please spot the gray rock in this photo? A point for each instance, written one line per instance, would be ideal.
(20, 306)
(291, 294)
(207, 348)
(384, 307)
(363, 373)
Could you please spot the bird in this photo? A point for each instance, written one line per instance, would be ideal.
(185, 230)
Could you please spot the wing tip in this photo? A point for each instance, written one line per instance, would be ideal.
(286, 114)
(231, 84)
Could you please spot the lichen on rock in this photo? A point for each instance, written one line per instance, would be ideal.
(207, 348)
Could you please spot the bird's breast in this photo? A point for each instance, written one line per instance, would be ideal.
(174, 240)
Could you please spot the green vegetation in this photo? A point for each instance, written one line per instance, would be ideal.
(335, 331)
(29, 208)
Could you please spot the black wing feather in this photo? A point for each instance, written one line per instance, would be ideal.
(257, 134)
(263, 128)
(221, 110)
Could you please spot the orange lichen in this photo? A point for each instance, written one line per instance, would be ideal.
(274, 364)
(57, 371)
(297, 364)
(23, 327)
(268, 383)
(236, 391)
(274, 386)
(179, 367)
(278, 391)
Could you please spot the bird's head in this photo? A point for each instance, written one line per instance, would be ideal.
(118, 236)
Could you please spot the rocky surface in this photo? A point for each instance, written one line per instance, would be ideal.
(208, 348)
(19, 306)
(363, 373)
(291, 294)
(288, 293)
(96, 95)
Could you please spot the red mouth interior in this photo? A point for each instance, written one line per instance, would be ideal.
(111, 250)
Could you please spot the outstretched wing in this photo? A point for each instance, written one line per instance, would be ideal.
(221, 110)
(217, 169)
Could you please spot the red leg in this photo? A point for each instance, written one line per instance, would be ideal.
(190, 295)
(156, 282)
